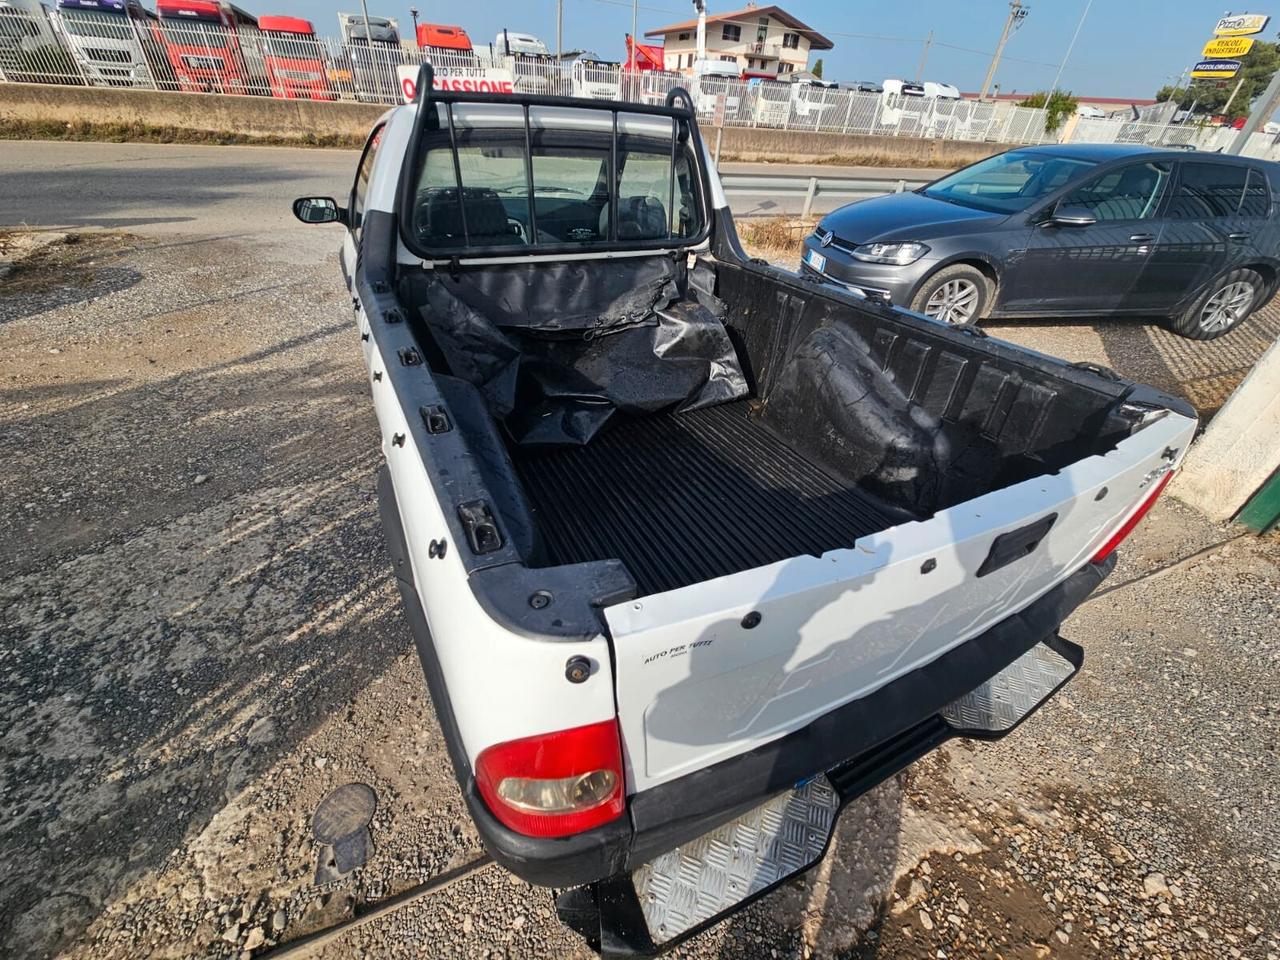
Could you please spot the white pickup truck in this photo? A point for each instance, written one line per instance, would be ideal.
(695, 549)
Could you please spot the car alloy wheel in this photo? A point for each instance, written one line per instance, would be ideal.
(955, 302)
(1227, 307)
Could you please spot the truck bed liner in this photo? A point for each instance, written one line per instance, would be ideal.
(685, 498)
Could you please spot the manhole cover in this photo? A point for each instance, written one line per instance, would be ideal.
(344, 812)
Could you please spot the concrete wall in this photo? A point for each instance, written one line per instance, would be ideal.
(305, 119)
(1240, 450)
(800, 146)
(210, 113)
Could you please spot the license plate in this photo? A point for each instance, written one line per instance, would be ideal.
(816, 260)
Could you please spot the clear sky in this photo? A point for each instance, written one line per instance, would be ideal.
(1127, 48)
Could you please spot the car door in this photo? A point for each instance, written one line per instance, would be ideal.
(1208, 227)
(1097, 267)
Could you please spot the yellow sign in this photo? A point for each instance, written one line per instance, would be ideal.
(1227, 47)
(1241, 25)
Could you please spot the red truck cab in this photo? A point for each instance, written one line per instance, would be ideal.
(439, 36)
(295, 60)
(202, 40)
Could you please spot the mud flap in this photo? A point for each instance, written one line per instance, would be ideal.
(703, 881)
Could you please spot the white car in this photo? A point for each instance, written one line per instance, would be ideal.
(696, 550)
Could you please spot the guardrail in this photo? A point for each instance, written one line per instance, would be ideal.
(845, 189)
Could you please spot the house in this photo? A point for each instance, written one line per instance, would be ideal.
(757, 39)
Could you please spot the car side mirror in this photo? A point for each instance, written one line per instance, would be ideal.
(318, 210)
(1068, 216)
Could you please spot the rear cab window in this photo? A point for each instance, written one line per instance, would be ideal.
(489, 184)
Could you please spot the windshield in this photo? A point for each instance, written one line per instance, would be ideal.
(571, 200)
(105, 26)
(1009, 182)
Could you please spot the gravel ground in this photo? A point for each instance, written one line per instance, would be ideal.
(200, 638)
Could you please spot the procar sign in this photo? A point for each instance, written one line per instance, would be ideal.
(1215, 69)
(1227, 47)
(1241, 25)
(464, 79)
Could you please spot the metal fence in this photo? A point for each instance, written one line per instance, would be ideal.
(105, 49)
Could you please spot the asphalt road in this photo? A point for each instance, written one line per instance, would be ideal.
(200, 638)
(167, 189)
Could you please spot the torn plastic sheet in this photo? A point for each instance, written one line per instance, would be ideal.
(558, 350)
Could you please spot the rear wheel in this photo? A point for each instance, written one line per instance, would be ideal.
(958, 295)
(1222, 307)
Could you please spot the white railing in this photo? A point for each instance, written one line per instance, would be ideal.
(100, 49)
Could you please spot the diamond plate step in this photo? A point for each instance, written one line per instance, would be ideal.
(692, 883)
(1012, 693)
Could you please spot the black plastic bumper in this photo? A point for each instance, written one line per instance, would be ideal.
(868, 739)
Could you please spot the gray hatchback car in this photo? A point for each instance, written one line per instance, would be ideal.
(1069, 230)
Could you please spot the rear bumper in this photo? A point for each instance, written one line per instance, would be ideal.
(857, 745)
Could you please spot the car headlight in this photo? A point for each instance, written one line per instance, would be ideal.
(899, 254)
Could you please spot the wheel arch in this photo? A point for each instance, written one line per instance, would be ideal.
(983, 263)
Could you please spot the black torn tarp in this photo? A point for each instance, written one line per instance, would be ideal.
(556, 350)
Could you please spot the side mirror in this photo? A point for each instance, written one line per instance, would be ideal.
(1067, 216)
(318, 210)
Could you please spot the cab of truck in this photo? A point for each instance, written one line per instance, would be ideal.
(295, 60)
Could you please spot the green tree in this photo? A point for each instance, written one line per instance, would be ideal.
(1060, 106)
(1210, 96)
(817, 68)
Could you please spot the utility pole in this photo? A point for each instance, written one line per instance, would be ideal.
(1070, 46)
(631, 54)
(924, 57)
(1258, 115)
(1017, 13)
(559, 29)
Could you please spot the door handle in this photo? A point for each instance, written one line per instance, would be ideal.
(1142, 238)
(1237, 236)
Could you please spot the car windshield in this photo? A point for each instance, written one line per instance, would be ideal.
(1009, 182)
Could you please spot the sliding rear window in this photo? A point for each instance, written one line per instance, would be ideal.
(570, 179)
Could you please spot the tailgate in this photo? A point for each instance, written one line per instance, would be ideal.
(712, 670)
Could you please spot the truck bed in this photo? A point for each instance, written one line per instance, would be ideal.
(688, 497)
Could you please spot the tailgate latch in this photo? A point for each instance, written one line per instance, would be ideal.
(481, 528)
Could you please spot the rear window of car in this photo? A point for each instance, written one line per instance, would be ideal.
(1208, 191)
(552, 188)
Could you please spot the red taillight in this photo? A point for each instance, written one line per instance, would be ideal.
(555, 784)
(1135, 518)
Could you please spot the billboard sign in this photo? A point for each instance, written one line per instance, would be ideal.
(1215, 69)
(1227, 47)
(464, 79)
(1241, 24)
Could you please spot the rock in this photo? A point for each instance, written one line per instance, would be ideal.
(255, 939)
(1063, 937)
(278, 921)
(468, 925)
(1155, 885)
(926, 921)
(201, 478)
(321, 762)
(518, 922)
(262, 732)
(1101, 898)
(1200, 932)
(963, 906)
(232, 933)
(1164, 908)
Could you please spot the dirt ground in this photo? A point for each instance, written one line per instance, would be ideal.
(200, 638)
